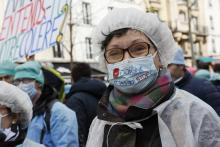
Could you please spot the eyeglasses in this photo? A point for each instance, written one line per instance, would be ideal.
(140, 49)
(5, 78)
(23, 80)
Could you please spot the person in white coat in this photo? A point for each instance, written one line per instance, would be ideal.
(142, 107)
(15, 115)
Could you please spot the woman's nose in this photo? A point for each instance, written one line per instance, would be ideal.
(126, 55)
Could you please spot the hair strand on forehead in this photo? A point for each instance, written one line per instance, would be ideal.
(116, 33)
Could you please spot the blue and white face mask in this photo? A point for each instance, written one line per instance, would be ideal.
(29, 88)
(133, 75)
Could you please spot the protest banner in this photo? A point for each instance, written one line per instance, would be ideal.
(30, 26)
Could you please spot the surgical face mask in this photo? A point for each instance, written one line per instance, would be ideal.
(29, 88)
(133, 75)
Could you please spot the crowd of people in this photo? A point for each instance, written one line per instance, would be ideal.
(151, 99)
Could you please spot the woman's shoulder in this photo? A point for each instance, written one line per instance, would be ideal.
(61, 111)
(59, 107)
(188, 98)
(185, 102)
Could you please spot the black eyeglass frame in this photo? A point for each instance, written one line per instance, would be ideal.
(128, 50)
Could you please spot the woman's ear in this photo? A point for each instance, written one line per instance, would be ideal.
(38, 86)
(157, 62)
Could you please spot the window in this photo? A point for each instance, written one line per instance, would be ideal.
(211, 22)
(210, 3)
(89, 48)
(213, 46)
(110, 8)
(194, 3)
(57, 52)
(182, 16)
(194, 23)
(86, 7)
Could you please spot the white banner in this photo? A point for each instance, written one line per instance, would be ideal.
(30, 26)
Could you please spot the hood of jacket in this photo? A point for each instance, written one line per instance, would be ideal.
(91, 86)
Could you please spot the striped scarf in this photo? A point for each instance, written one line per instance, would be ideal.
(145, 100)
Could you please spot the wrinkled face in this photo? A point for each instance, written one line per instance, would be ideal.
(6, 78)
(6, 117)
(132, 41)
(176, 71)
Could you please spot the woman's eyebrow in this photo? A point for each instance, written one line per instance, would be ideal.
(113, 46)
(140, 40)
(132, 42)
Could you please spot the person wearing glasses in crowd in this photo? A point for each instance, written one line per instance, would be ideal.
(142, 107)
(53, 124)
(15, 116)
(201, 88)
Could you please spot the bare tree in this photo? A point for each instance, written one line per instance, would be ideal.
(67, 9)
(71, 36)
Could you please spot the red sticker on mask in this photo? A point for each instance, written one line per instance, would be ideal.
(116, 72)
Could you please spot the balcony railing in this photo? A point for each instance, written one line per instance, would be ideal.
(201, 30)
(183, 27)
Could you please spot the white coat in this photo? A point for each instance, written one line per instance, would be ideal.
(184, 121)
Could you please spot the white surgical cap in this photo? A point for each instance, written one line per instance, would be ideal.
(148, 23)
(18, 102)
(178, 57)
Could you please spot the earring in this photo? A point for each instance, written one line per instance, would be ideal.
(13, 122)
(14, 126)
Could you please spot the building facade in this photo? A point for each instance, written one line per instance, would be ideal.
(86, 14)
(178, 14)
(212, 10)
(82, 18)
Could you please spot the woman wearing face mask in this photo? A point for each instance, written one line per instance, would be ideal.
(142, 107)
(53, 124)
(15, 115)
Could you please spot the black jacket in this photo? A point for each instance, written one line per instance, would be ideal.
(201, 88)
(83, 99)
(124, 136)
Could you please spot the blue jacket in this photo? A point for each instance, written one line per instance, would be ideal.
(201, 88)
(30, 143)
(63, 125)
